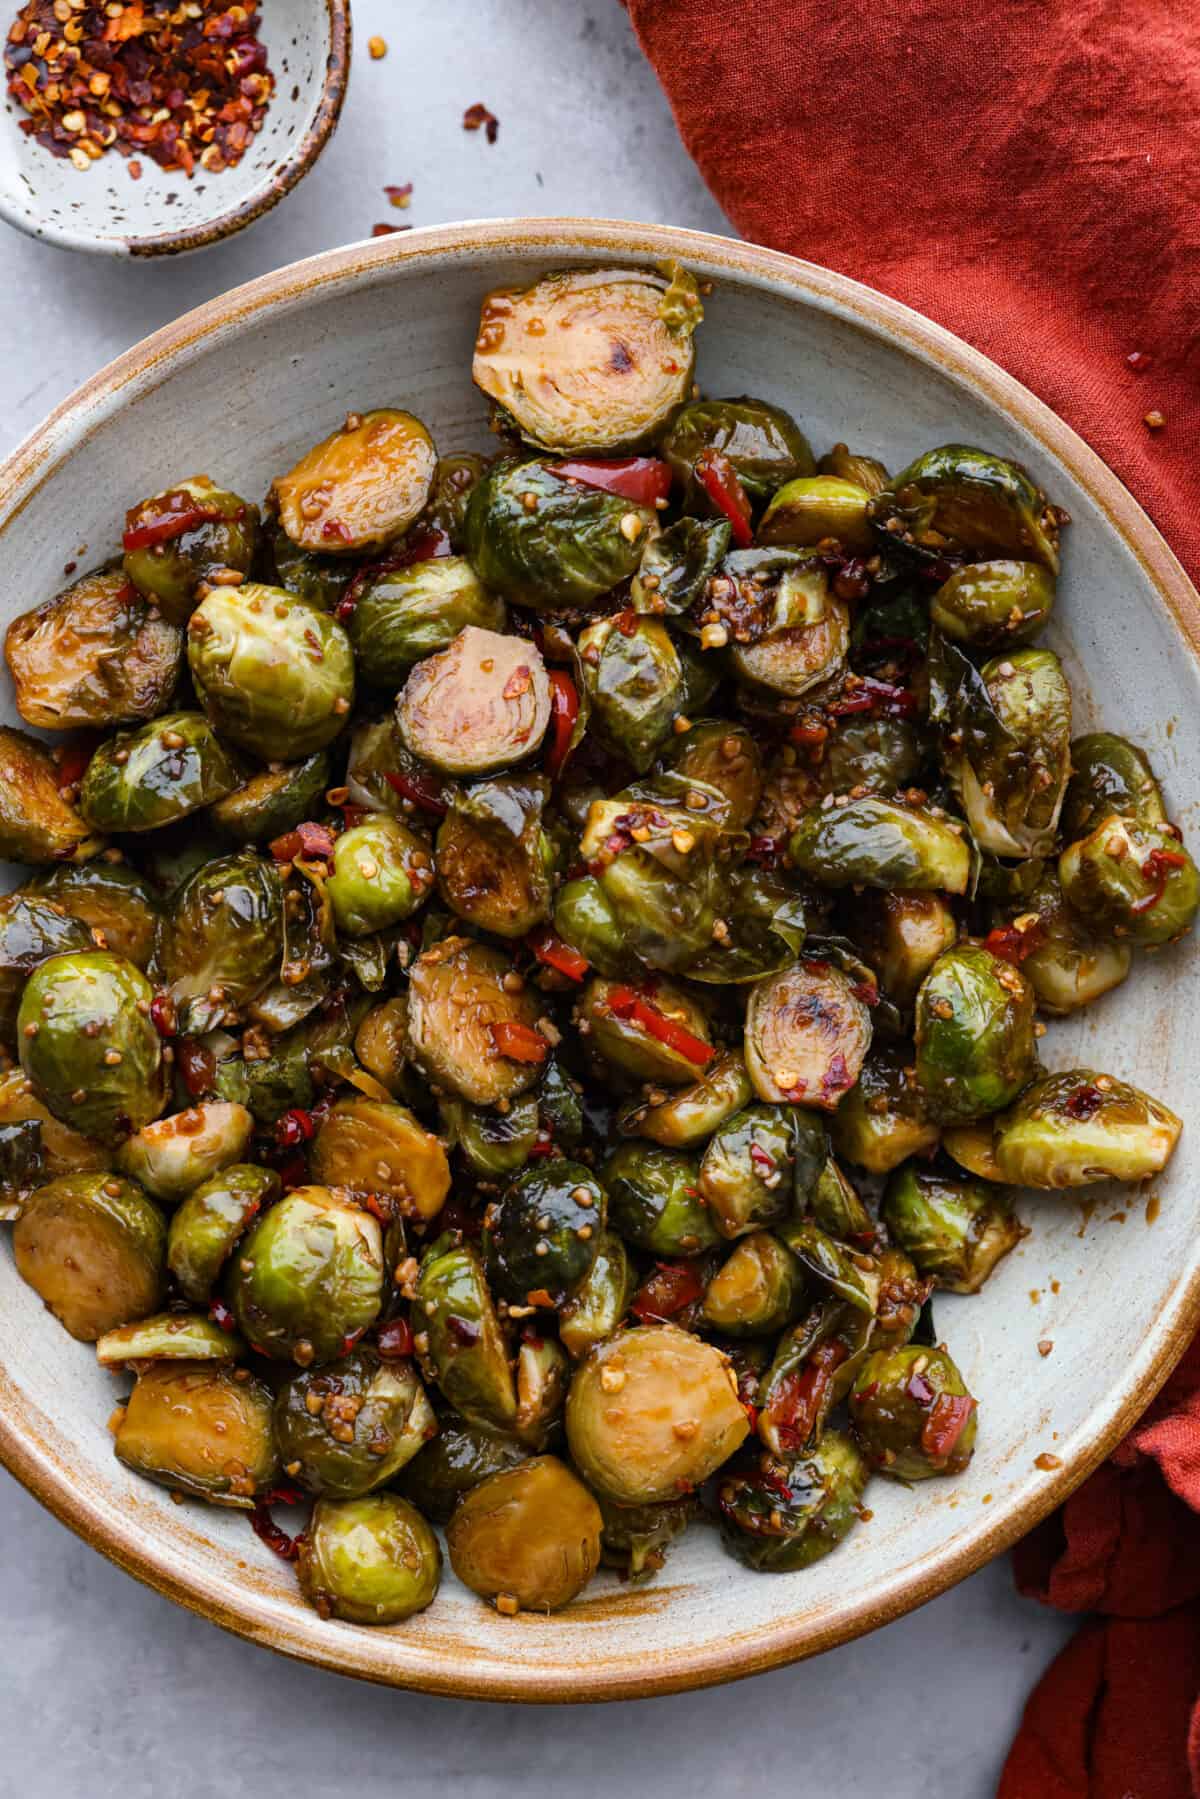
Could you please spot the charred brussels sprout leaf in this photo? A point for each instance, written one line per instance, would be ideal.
(974, 1031)
(371, 1146)
(1109, 774)
(110, 898)
(88, 1045)
(874, 842)
(479, 705)
(689, 1115)
(371, 1560)
(494, 860)
(91, 1247)
(597, 1308)
(222, 938)
(635, 678)
(778, 1520)
(210, 1223)
(37, 823)
(764, 443)
(466, 1029)
(1068, 1130)
(360, 487)
(550, 543)
(807, 1033)
(757, 1291)
(818, 508)
(994, 605)
(309, 1278)
(381, 873)
(401, 615)
(765, 924)
(352, 1426)
(961, 499)
(954, 1229)
(1132, 879)
(912, 1413)
(837, 1207)
(540, 1236)
(197, 1428)
(455, 1461)
(95, 655)
(31, 930)
(175, 540)
(678, 564)
(529, 1536)
(884, 1119)
(466, 1348)
(655, 1201)
(141, 780)
(173, 1155)
(274, 801)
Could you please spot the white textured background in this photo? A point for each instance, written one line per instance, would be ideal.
(106, 1690)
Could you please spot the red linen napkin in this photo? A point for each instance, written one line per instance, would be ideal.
(1026, 172)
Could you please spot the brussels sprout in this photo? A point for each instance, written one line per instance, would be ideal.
(757, 1290)
(110, 898)
(954, 1229)
(597, 1307)
(401, 615)
(31, 930)
(360, 487)
(815, 1361)
(589, 359)
(560, 1105)
(543, 1375)
(479, 705)
(91, 1247)
(787, 1517)
(22, 1165)
(790, 659)
(636, 1538)
(746, 1173)
(465, 1345)
(880, 754)
(902, 935)
(372, 1560)
(274, 675)
(87, 1043)
(847, 1274)
(1109, 774)
(274, 801)
(1136, 880)
(635, 678)
(901, 1302)
(540, 1236)
(37, 822)
(141, 780)
(175, 1154)
(815, 509)
(876, 842)
(494, 860)
(689, 1115)
(852, 465)
(586, 921)
(350, 1427)
(1068, 1130)
(381, 873)
(717, 754)
(222, 938)
(764, 443)
(168, 1337)
(885, 1118)
(912, 1414)
(495, 1144)
(210, 1223)
(662, 887)
(973, 1147)
(660, 1037)
(470, 1027)
(527, 1538)
(836, 1205)
(1009, 752)
(200, 1428)
(188, 534)
(678, 564)
(655, 1201)
(651, 1414)
(994, 605)
(372, 1146)
(62, 1150)
(974, 1032)
(807, 1033)
(321, 580)
(454, 481)
(95, 655)
(309, 1277)
(455, 1461)
(1070, 966)
(550, 543)
(380, 1044)
(957, 498)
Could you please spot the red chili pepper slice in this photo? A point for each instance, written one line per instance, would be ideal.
(625, 1003)
(395, 1339)
(162, 1014)
(165, 526)
(945, 1424)
(312, 840)
(640, 479)
(719, 479)
(549, 948)
(1157, 868)
(671, 1287)
(422, 790)
(564, 710)
(1084, 1102)
(294, 1128)
(808, 736)
(797, 1404)
(870, 695)
(72, 760)
(272, 1534)
(518, 1042)
(1013, 942)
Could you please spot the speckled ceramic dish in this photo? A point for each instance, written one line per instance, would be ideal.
(239, 388)
(102, 209)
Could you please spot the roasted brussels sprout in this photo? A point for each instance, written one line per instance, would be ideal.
(372, 1560)
(597, 1307)
(662, 886)
(586, 920)
(494, 860)
(37, 822)
(200, 1428)
(958, 498)
(724, 756)
(1069, 966)
(494, 1144)
(817, 509)
(380, 1044)
(372, 1146)
(1132, 879)
(321, 580)
(748, 1172)
(636, 1538)
(973, 1147)
(274, 801)
(360, 487)
(93, 656)
(757, 1291)
(88, 1045)
(141, 780)
(1109, 774)
(655, 1201)
(912, 1413)
(548, 542)
(210, 1223)
(651, 1414)
(1008, 752)
(61, 1150)
(806, 647)
(885, 1118)
(787, 1516)
(954, 1229)
(479, 705)
(110, 898)
(543, 1374)
(308, 1279)
(876, 842)
(31, 930)
(540, 1236)
(636, 682)
(173, 1155)
(881, 755)
(663, 1036)
(902, 935)
(453, 1462)
(470, 1028)
(381, 873)
(528, 1538)
(994, 605)
(1068, 1130)
(465, 1346)
(764, 444)
(974, 1032)
(678, 563)
(191, 533)
(589, 359)
(853, 465)
(837, 1207)
(689, 1115)
(168, 1337)
(221, 940)
(807, 1033)
(91, 1246)
(401, 615)
(349, 1428)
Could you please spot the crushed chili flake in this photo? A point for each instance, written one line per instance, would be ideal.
(182, 84)
(478, 115)
(400, 196)
(387, 230)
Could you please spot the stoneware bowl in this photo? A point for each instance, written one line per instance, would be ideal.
(102, 209)
(239, 388)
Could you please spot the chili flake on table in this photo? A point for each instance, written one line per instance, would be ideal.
(182, 84)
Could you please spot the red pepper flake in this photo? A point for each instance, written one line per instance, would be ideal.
(1013, 942)
(162, 1014)
(869, 695)
(919, 1390)
(478, 115)
(564, 710)
(272, 1534)
(627, 622)
(671, 1287)
(309, 840)
(1084, 1102)
(400, 196)
(765, 851)
(643, 480)
(763, 1163)
(421, 790)
(623, 1002)
(335, 531)
(294, 1128)
(1157, 868)
(543, 1145)
(946, 1424)
(463, 1330)
(388, 230)
(220, 1314)
(549, 948)
(719, 479)
(518, 1042)
(395, 1339)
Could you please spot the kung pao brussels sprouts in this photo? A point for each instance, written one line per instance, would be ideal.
(527, 970)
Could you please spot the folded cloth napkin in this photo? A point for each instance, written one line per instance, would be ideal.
(1026, 174)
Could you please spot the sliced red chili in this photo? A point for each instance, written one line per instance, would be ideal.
(870, 695)
(220, 1314)
(625, 1003)
(72, 760)
(165, 526)
(945, 1424)
(808, 734)
(422, 790)
(671, 1287)
(272, 1534)
(294, 1128)
(1157, 868)
(564, 710)
(1013, 942)
(549, 948)
(518, 1042)
(162, 1014)
(800, 1400)
(640, 479)
(719, 479)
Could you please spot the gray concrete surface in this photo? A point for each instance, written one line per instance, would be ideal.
(107, 1690)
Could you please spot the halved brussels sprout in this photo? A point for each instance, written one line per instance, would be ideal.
(876, 842)
(718, 754)
(747, 1173)
(87, 1043)
(1134, 879)
(635, 678)
(837, 1207)
(1109, 774)
(168, 1337)
(678, 563)
(543, 1375)
(974, 1033)
(95, 655)
(308, 1278)
(793, 658)
(690, 1115)
(528, 1538)
(221, 940)
(494, 860)
(381, 873)
(110, 898)
(402, 615)
(350, 1427)
(815, 509)
(973, 1147)
(757, 1290)
(173, 1155)
(200, 1428)
(789, 1516)
(540, 1237)
(954, 1229)
(1071, 965)
(452, 1463)
(636, 1537)
(662, 886)
(807, 1033)
(371, 1560)
(470, 1027)
(454, 481)
(660, 1035)
(321, 580)
(361, 486)
(763, 442)
(466, 1348)
(958, 498)
(210, 1223)
(188, 534)
(91, 1246)
(495, 1144)
(1070, 1129)
(372, 1146)
(912, 1413)
(902, 935)
(652, 1413)
(884, 1119)
(853, 465)
(31, 929)
(62, 1150)
(589, 359)
(815, 1362)
(479, 705)
(550, 543)
(37, 823)
(994, 605)
(597, 1308)
(274, 801)
(1008, 752)
(586, 920)
(655, 1202)
(380, 1044)
(274, 674)
(141, 780)
(881, 755)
